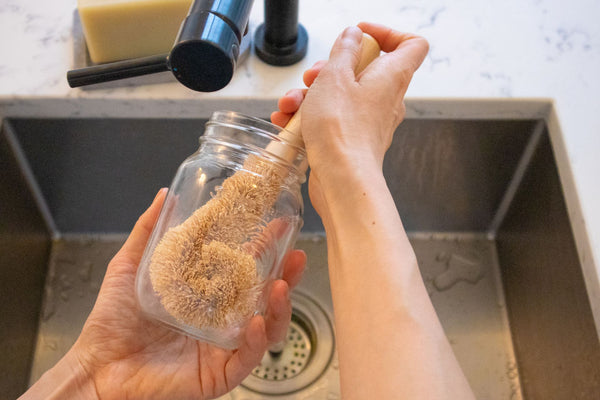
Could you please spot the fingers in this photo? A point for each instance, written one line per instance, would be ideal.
(279, 312)
(405, 51)
(136, 242)
(345, 53)
(388, 38)
(291, 101)
(248, 354)
(293, 268)
(279, 118)
(272, 328)
(288, 105)
(311, 74)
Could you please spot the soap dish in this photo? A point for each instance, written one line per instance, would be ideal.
(81, 59)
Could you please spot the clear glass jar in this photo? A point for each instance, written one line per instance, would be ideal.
(233, 211)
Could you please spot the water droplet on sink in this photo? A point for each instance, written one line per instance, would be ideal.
(335, 364)
(511, 370)
(65, 282)
(459, 268)
(49, 310)
(50, 344)
(49, 304)
(85, 273)
(442, 256)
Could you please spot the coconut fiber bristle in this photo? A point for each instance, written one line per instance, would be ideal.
(200, 269)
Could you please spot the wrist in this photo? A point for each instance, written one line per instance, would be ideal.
(68, 379)
(346, 181)
(342, 171)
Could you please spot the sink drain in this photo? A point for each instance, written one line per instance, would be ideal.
(292, 360)
(305, 356)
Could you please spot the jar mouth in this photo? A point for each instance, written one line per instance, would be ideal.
(255, 126)
(231, 128)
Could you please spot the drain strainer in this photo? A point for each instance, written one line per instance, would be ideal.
(292, 360)
(305, 356)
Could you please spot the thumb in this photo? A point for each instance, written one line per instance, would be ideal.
(345, 53)
(136, 242)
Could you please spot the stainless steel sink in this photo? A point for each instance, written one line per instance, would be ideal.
(481, 200)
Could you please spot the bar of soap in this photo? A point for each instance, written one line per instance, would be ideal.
(122, 29)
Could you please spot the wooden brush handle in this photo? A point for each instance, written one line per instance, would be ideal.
(369, 51)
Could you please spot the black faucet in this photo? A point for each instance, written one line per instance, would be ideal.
(207, 47)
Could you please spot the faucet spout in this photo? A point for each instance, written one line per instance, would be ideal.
(205, 55)
(208, 44)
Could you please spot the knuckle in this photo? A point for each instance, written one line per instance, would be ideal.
(405, 75)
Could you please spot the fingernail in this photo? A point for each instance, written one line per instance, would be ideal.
(283, 308)
(161, 191)
(318, 64)
(352, 33)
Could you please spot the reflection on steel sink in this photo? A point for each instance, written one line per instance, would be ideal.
(482, 202)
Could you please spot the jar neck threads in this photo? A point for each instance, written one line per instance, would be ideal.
(259, 137)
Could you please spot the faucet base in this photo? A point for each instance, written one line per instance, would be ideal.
(280, 55)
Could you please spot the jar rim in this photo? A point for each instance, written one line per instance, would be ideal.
(262, 136)
(258, 126)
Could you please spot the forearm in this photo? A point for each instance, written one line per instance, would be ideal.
(66, 380)
(390, 341)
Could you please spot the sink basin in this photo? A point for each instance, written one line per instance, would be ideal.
(481, 199)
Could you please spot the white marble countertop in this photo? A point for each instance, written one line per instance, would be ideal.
(547, 50)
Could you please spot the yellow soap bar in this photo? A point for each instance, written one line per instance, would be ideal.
(122, 29)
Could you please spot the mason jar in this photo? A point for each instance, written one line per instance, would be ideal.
(232, 212)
